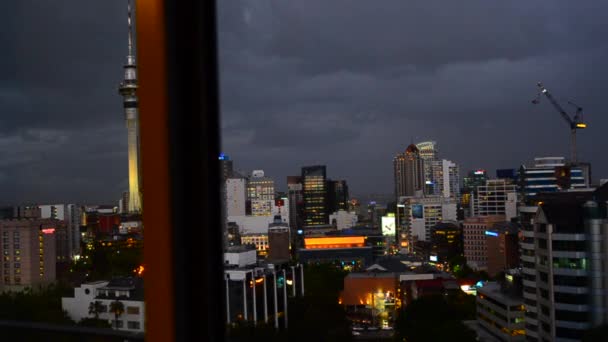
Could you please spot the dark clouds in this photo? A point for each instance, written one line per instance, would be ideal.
(62, 135)
(342, 83)
(351, 83)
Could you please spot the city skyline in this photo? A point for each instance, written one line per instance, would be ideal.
(304, 86)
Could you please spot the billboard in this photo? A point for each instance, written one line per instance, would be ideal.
(388, 225)
(417, 211)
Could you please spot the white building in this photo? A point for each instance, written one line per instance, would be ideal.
(343, 219)
(446, 178)
(128, 291)
(423, 213)
(240, 256)
(497, 197)
(235, 196)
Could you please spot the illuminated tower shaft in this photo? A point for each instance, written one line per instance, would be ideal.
(128, 90)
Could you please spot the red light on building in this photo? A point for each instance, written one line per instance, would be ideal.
(279, 203)
(48, 230)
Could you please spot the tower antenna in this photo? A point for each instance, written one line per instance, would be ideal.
(130, 56)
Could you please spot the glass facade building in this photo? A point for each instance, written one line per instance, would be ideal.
(314, 187)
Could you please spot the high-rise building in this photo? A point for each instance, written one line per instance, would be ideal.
(128, 90)
(408, 170)
(226, 166)
(295, 195)
(337, 195)
(421, 214)
(235, 196)
(68, 241)
(549, 174)
(502, 243)
(475, 246)
(428, 153)
(566, 281)
(28, 251)
(496, 197)
(446, 241)
(314, 181)
(474, 179)
(445, 178)
(260, 194)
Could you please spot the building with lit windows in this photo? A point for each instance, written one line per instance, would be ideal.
(260, 194)
(500, 312)
(446, 241)
(429, 153)
(550, 174)
(474, 179)
(28, 252)
(70, 214)
(502, 245)
(314, 184)
(421, 214)
(409, 172)
(128, 291)
(445, 178)
(566, 292)
(474, 232)
(496, 197)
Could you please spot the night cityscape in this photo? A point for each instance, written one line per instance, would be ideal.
(387, 171)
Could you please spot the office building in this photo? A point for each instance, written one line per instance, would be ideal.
(295, 194)
(527, 262)
(337, 195)
(70, 239)
(235, 196)
(500, 310)
(475, 246)
(28, 252)
(417, 216)
(260, 194)
(566, 292)
(408, 171)
(550, 174)
(502, 245)
(226, 166)
(428, 153)
(314, 184)
(474, 179)
(446, 242)
(445, 178)
(496, 197)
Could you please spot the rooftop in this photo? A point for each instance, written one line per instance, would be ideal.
(493, 290)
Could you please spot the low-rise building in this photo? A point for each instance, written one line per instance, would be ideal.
(500, 312)
(100, 299)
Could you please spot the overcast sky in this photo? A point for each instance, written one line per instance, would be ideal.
(343, 83)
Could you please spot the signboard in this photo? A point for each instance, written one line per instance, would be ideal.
(388, 225)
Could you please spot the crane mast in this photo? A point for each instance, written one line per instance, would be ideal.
(574, 123)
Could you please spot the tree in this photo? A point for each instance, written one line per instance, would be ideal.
(118, 308)
(95, 308)
(431, 318)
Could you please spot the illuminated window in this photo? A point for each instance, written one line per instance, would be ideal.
(133, 310)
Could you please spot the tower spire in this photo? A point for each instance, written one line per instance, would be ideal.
(130, 55)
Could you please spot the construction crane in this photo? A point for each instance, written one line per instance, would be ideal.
(575, 123)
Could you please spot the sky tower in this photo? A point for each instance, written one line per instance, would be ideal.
(128, 90)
